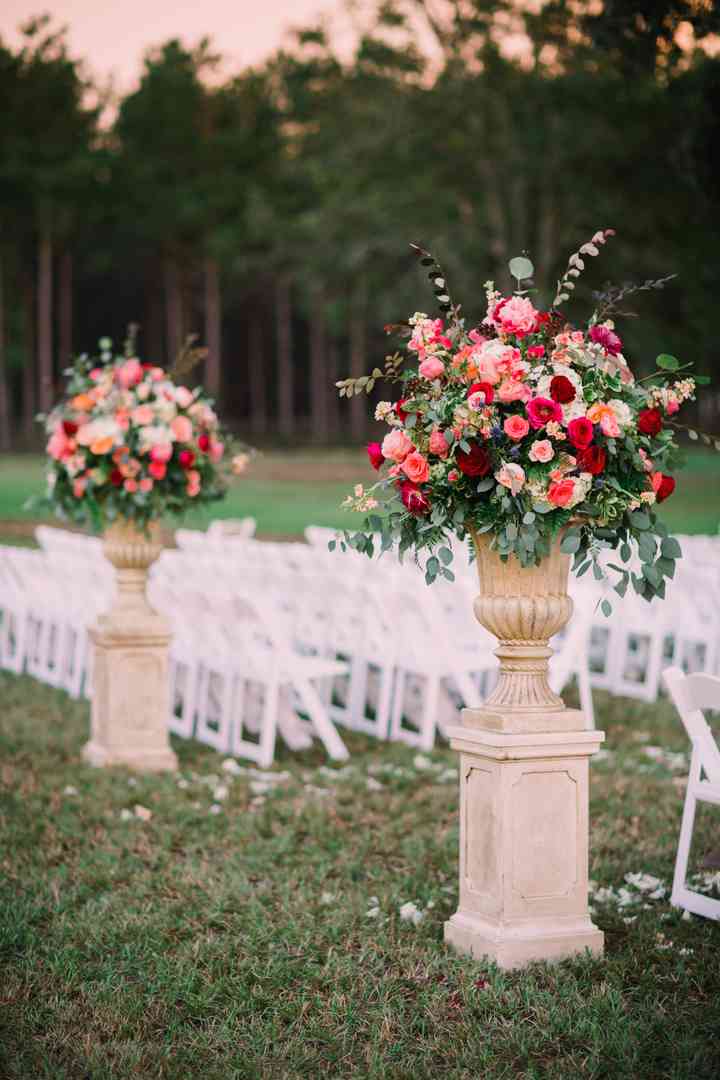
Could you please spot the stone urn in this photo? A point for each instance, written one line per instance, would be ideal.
(130, 691)
(523, 781)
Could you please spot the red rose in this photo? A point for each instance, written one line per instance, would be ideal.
(580, 433)
(116, 477)
(70, 427)
(664, 488)
(374, 452)
(399, 411)
(475, 462)
(482, 388)
(414, 499)
(592, 459)
(649, 421)
(204, 443)
(562, 390)
(186, 459)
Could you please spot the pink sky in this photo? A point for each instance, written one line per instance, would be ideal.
(112, 36)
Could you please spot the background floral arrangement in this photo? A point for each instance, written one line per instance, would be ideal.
(128, 442)
(522, 427)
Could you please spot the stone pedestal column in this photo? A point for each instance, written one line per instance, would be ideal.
(130, 703)
(523, 782)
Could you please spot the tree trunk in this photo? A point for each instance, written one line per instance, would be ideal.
(5, 434)
(28, 381)
(213, 328)
(258, 381)
(65, 309)
(358, 404)
(173, 309)
(153, 339)
(333, 358)
(319, 395)
(283, 331)
(44, 322)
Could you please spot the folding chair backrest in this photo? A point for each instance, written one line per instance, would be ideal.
(691, 694)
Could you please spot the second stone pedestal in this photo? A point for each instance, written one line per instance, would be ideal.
(523, 844)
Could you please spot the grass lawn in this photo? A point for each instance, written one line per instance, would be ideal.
(287, 490)
(237, 945)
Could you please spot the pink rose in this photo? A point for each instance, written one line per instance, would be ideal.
(146, 484)
(131, 485)
(415, 467)
(541, 450)
(438, 445)
(396, 446)
(515, 316)
(516, 427)
(129, 374)
(193, 483)
(536, 351)
(142, 415)
(157, 374)
(161, 453)
(157, 470)
(182, 428)
(609, 425)
(183, 397)
(561, 492)
(542, 410)
(58, 445)
(431, 368)
(511, 476)
(217, 449)
(510, 390)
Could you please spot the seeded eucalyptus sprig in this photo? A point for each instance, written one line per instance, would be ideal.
(436, 275)
(576, 265)
(611, 295)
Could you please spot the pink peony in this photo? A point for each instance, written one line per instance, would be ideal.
(510, 390)
(396, 446)
(561, 492)
(515, 316)
(542, 410)
(182, 428)
(183, 397)
(438, 445)
(161, 453)
(129, 374)
(142, 415)
(511, 476)
(431, 368)
(541, 450)
(157, 470)
(415, 467)
(516, 427)
(603, 335)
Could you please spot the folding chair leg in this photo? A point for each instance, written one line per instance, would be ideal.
(428, 722)
(683, 852)
(321, 722)
(586, 698)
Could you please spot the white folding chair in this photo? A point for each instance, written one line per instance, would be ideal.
(691, 694)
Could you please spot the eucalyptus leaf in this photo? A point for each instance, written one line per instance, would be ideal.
(521, 267)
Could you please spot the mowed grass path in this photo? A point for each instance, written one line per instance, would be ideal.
(287, 490)
(238, 945)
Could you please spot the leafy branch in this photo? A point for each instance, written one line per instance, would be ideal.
(187, 359)
(612, 295)
(436, 275)
(576, 265)
(365, 384)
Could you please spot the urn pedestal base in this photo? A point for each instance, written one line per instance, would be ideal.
(523, 843)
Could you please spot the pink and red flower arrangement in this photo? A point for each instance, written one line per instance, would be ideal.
(127, 442)
(524, 426)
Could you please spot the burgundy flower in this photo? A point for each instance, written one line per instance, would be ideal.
(603, 335)
(562, 390)
(375, 454)
(592, 459)
(475, 462)
(399, 411)
(186, 458)
(649, 421)
(580, 433)
(203, 443)
(414, 499)
(116, 478)
(69, 427)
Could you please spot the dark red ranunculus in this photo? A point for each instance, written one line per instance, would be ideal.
(116, 477)
(482, 388)
(475, 462)
(592, 459)
(186, 459)
(603, 335)
(399, 411)
(374, 452)
(580, 433)
(414, 499)
(70, 427)
(562, 390)
(204, 443)
(665, 488)
(649, 421)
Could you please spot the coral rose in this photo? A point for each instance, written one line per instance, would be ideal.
(475, 462)
(161, 452)
(130, 485)
(375, 454)
(543, 410)
(182, 428)
(431, 368)
(193, 483)
(146, 484)
(580, 432)
(662, 485)
(516, 427)
(439, 445)
(649, 421)
(396, 446)
(142, 415)
(511, 390)
(561, 492)
(157, 470)
(415, 467)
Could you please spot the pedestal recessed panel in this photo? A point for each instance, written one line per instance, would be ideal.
(545, 834)
(480, 857)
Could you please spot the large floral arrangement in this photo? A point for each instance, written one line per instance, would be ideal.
(128, 442)
(524, 426)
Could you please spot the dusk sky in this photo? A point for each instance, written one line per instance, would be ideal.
(113, 36)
